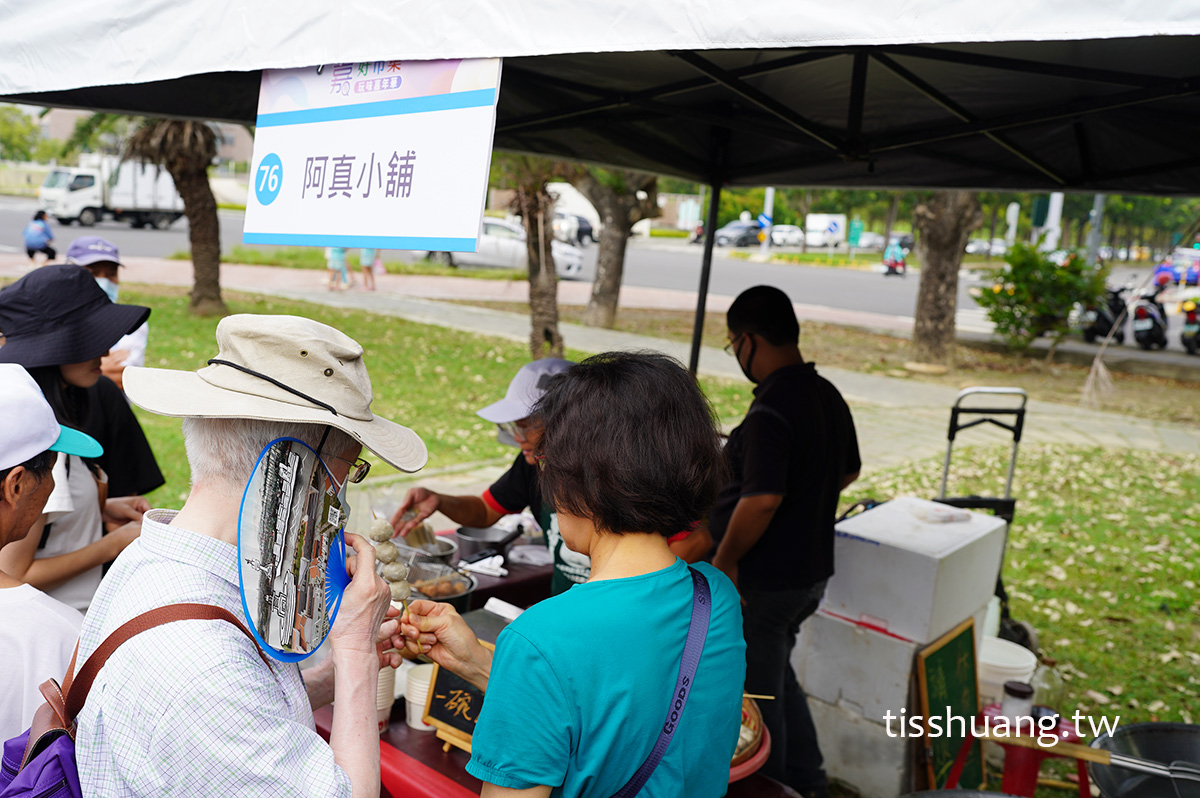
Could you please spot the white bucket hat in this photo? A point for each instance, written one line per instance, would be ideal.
(524, 391)
(280, 368)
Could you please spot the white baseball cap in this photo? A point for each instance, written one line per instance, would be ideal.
(30, 427)
(524, 391)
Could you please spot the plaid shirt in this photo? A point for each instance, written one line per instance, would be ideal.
(188, 708)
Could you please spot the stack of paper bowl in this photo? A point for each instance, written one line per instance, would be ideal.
(415, 693)
(385, 696)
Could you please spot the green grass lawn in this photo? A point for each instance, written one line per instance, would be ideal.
(428, 378)
(1102, 560)
(314, 258)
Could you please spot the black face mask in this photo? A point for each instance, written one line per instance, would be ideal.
(750, 360)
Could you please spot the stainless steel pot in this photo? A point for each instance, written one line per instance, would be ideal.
(472, 540)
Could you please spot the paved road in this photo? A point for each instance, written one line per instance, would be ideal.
(655, 263)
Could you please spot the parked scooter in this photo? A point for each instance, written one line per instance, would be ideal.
(1096, 321)
(1150, 317)
(1191, 326)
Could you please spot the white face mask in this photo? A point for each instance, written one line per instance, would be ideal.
(109, 287)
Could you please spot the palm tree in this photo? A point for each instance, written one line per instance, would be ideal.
(185, 149)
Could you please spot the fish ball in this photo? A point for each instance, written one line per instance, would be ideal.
(387, 551)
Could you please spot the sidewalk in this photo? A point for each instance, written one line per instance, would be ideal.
(897, 419)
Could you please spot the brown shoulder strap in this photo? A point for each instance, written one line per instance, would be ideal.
(77, 689)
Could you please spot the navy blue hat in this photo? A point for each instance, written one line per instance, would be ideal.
(59, 314)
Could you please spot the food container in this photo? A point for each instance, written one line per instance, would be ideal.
(439, 582)
(472, 540)
(447, 550)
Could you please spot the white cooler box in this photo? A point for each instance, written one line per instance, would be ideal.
(846, 663)
(914, 578)
(859, 752)
(838, 661)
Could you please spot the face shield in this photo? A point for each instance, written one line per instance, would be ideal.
(291, 549)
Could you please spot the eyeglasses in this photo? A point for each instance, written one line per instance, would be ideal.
(516, 428)
(729, 347)
(360, 468)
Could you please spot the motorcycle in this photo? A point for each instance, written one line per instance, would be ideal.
(1191, 326)
(1150, 318)
(697, 235)
(1097, 321)
(897, 266)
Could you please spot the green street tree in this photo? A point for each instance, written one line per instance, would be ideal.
(18, 134)
(1033, 297)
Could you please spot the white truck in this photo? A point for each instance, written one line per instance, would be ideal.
(105, 186)
(825, 230)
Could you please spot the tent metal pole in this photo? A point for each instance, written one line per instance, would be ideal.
(710, 230)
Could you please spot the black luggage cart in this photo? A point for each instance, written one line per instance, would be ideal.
(1008, 404)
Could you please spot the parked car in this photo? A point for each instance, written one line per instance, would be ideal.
(999, 247)
(738, 234)
(978, 246)
(786, 235)
(502, 246)
(869, 240)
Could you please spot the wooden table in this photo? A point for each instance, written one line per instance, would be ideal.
(413, 765)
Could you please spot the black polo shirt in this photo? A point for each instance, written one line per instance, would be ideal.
(797, 441)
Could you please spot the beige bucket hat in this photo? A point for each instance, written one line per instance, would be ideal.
(280, 368)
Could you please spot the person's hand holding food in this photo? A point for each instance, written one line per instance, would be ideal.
(422, 501)
(437, 630)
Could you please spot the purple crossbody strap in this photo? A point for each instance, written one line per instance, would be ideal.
(692, 647)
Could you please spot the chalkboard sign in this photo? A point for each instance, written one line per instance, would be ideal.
(453, 706)
(948, 685)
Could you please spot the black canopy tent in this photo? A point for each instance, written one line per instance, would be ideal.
(1103, 115)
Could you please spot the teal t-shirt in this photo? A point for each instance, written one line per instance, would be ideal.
(581, 683)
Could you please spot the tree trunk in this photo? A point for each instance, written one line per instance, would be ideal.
(992, 226)
(537, 213)
(610, 265)
(804, 221)
(944, 224)
(891, 218)
(204, 235)
(614, 195)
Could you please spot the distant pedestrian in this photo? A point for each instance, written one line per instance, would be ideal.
(339, 278)
(366, 260)
(37, 237)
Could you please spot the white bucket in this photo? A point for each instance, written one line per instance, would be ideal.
(1001, 661)
(415, 693)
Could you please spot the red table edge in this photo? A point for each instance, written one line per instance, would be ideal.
(402, 775)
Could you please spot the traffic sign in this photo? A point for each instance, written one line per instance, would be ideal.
(833, 227)
(856, 228)
(764, 220)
